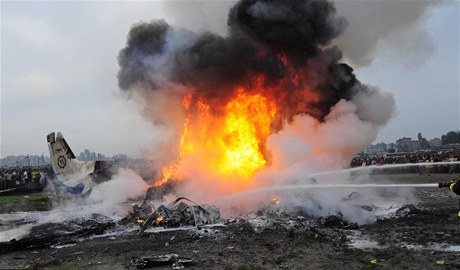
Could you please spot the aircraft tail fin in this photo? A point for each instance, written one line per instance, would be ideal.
(60, 153)
(65, 165)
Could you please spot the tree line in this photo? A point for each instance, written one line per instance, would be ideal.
(451, 137)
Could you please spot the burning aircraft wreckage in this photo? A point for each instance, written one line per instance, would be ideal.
(254, 120)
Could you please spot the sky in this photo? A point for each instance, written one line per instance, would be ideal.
(59, 67)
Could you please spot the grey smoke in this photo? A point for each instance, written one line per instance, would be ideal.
(375, 27)
(391, 27)
(200, 16)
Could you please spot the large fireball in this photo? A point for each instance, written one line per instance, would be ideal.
(232, 139)
(223, 98)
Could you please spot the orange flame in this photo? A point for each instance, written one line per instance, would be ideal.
(247, 126)
(228, 140)
(159, 219)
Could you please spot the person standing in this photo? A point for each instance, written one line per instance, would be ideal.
(454, 186)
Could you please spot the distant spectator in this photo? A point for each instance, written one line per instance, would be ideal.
(427, 167)
(25, 177)
(452, 166)
(9, 180)
(427, 163)
(43, 179)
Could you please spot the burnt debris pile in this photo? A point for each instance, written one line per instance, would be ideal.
(179, 213)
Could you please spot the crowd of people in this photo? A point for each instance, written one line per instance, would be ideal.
(36, 178)
(27, 177)
(429, 162)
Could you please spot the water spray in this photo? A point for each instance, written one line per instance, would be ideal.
(385, 166)
(327, 186)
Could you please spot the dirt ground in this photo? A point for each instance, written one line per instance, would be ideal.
(425, 235)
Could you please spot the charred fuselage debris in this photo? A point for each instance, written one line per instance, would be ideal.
(176, 261)
(406, 210)
(49, 234)
(158, 192)
(174, 214)
(338, 222)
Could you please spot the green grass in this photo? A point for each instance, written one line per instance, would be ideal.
(37, 197)
(29, 202)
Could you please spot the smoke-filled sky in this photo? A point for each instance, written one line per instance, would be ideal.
(59, 67)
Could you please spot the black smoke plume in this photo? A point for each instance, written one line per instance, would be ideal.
(285, 42)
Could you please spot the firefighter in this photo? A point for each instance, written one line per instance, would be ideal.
(454, 186)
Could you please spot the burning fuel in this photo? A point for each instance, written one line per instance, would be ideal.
(242, 108)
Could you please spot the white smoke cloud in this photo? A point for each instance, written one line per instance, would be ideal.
(124, 186)
(347, 129)
(307, 146)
